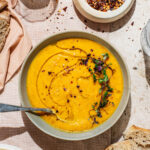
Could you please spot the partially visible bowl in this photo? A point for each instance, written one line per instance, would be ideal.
(103, 17)
(41, 124)
(8, 147)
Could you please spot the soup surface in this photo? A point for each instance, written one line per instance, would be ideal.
(79, 79)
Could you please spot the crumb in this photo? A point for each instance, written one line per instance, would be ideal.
(132, 23)
(135, 68)
(65, 8)
(140, 51)
(71, 18)
(85, 21)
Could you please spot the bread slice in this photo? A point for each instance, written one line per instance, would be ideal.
(139, 135)
(3, 4)
(4, 27)
(5, 15)
(123, 145)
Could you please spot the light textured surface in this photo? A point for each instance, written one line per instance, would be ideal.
(17, 130)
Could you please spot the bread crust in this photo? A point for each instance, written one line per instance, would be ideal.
(135, 128)
(123, 145)
(135, 138)
(3, 4)
(4, 24)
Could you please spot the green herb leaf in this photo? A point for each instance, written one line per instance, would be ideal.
(105, 78)
(100, 90)
(95, 103)
(93, 107)
(96, 61)
(94, 77)
(100, 80)
(103, 103)
(96, 66)
(90, 69)
(104, 72)
(105, 94)
(109, 89)
(105, 56)
(99, 114)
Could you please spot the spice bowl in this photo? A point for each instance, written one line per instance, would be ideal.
(100, 16)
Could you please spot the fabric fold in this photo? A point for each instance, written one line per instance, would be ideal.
(16, 47)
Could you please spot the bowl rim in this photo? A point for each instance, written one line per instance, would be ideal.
(105, 15)
(89, 136)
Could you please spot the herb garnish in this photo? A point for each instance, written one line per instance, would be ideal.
(105, 56)
(99, 73)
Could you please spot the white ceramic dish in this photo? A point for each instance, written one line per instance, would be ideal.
(103, 17)
(8, 147)
(40, 123)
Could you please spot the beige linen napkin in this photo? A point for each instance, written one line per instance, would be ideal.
(17, 46)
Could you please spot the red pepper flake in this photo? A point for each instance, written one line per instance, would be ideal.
(43, 70)
(46, 86)
(78, 86)
(81, 91)
(91, 50)
(65, 89)
(68, 100)
(74, 96)
(132, 23)
(71, 82)
(105, 5)
(73, 46)
(65, 8)
(49, 73)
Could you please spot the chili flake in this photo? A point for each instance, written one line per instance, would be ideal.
(105, 5)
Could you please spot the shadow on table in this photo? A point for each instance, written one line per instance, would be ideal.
(45, 141)
(39, 3)
(121, 125)
(10, 131)
(107, 27)
(147, 67)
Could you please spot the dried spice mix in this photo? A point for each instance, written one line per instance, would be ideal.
(105, 5)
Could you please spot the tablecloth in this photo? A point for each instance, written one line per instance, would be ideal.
(16, 129)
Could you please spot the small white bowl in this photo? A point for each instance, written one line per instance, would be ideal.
(102, 17)
(8, 147)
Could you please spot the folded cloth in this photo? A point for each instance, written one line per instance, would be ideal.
(17, 46)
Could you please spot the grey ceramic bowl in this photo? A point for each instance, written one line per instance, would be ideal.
(41, 124)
